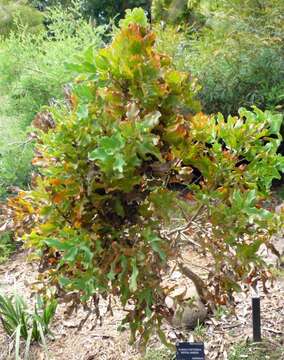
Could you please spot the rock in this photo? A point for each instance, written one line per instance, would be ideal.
(176, 275)
(178, 292)
(190, 314)
(169, 302)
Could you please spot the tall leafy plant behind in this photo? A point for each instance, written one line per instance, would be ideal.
(103, 200)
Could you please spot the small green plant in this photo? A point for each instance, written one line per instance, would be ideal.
(220, 312)
(18, 322)
(199, 331)
(6, 246)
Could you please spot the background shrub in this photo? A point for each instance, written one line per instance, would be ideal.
(14, 12)
(35, 78)
(237, 56)
(239, 60)
(102, 11)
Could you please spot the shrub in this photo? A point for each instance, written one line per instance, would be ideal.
(16, 152)
(13, 12)
(34, 79)
(170, 11)
(237, 56)
(103, 200)
(240, 69)
(39, 74)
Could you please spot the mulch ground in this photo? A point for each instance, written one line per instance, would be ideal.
(104, 342)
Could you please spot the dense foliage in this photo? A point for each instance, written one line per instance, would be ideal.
(237, 55)
(239, 59)
(170, 11)
(100, 207)
(35, 78)
(102, 11)
(18, 12)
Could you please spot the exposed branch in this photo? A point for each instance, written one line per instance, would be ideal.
(200, 285)
(187, 225)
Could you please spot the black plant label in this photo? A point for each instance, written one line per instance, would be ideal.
(190, 351)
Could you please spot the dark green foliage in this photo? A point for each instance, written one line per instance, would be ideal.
(171, 11)
(102, 11)
(6, 246)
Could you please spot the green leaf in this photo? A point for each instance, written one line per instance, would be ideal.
(112, 274)
(150, 121)
(101, 62)
(134, 275)
(119, 163)
(148, 147)
(82, 111)
(155, 242)
(59, 244)
(17, 342)
(135, 16)
(119, 208)
(275, 122)
(250, 198)
(70, 255)
(248, 251)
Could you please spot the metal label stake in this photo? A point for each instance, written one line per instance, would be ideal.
(256, 320)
